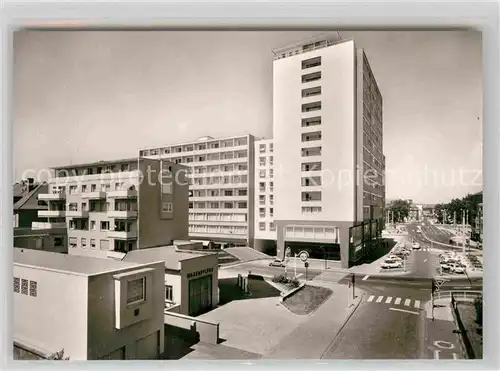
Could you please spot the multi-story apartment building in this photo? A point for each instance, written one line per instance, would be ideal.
(221, 186)
(265, 229)
(118, 206)
(329, 166)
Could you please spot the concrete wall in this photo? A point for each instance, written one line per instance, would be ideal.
(208, 331)
(57, 317)
(338, 114)
(103, 337)
(174, 280)
(157, 228)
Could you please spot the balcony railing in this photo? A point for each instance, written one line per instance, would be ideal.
(94, 195)
(52, 196)
(126, 193)
(42, 225)
(124, 235)
(51, 213)
(77, 213)
(122, 214)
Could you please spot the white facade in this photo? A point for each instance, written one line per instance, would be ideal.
(221, 186)
(317, 141)
(91, 308)
(264, 190)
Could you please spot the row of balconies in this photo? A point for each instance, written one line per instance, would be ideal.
(118, 214)
(97, 195)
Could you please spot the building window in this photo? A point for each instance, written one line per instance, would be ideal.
(271, 147)
(72, 190)
(262, 173)
(262, 226)
(92, 243)
(242, 205)
(17, 284)
(169, 293)
(24, 287)
(84, 188)
(72, 224)
(136, 291)
(33, 288)
(105, 226)
(262, 161)
(92, 225)
(93, 188)
(167, 207)
(166, 188)
(72, 242)
(262, 212)
(312, 62)
(271, 211)
(272, 226)
(58, 241)
(84, 243)
(262, 148)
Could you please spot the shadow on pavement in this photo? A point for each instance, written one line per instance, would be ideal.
(178, 342)
(378, 251)
(258, 288)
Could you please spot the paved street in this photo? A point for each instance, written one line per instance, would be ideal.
(261, 267)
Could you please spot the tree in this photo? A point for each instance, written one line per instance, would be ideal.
(58, 356)
(400, 209)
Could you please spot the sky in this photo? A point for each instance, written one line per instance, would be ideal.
(91, 95)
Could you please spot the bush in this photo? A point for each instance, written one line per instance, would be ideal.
(286, 281)
(478, 304)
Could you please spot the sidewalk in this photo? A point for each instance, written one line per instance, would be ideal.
(312, 337)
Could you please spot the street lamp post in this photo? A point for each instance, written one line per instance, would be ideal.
(324, 256)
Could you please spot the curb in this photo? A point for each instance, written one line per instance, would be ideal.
(229, 265)
(343, 325)
(292, 291)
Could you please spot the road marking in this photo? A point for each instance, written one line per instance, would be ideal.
(444, 344)
(436, 354)
(388, 300)
(407, 302)
(298, 275)
(417, 304)
(365, 277)
(370, 298)
(425, 260)
(455, 356)
(397, 301)
(403, 310)
(379, 299)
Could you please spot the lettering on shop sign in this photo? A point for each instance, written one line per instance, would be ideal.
(200, 273)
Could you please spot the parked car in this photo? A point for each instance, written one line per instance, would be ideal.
(394, 257)
(391, 263)
(415, 246)
(457, 268)
(277, 263)
(445, 267)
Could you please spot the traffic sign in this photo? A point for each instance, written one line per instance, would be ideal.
(303, 255)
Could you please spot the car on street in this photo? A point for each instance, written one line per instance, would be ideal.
(394, 257)
(445, 267)
(415, 246)
(391, 263)
(277, 263)
(457, 268)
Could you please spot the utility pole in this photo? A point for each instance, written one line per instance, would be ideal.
(463, 234)
(295, 265)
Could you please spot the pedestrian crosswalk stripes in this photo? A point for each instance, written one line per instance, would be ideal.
(381, 299)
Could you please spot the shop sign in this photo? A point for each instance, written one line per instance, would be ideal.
(199, 273)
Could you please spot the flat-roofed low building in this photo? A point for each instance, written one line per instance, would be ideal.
(191, 278)
(44, 239)
(89, 307)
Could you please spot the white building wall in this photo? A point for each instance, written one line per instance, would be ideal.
(56, 317)
(338, 127)
(264, 190)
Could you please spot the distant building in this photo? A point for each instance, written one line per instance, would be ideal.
(191, 279)
(118, 206)
(27, 206)
(428, 210)
(94, 309)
